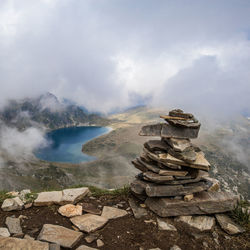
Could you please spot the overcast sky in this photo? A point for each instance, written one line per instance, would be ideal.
(108, 54)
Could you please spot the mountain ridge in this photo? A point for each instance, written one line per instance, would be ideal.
(46, 110)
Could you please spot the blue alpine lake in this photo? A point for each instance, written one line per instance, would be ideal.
(65, 145)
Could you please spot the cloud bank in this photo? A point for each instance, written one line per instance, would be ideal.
(107, 55)
(19, 146)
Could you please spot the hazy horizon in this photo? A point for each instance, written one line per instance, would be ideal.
(113, 55)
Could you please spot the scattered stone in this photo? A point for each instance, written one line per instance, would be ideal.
(175, 247)
(70, 210)
(164, 225)
(19, 235)
(11, 243)
(13, 193)
(138, 211)
(61, 197)
(204, 243)
(89, 222)
(188, 197)
(228, 225)
(27, 237)
(60, 235)
(113, 213)
(12, 204)
(4, 232)
(216, 237)
(23, 193)
(201, 223)
(99, 243)
(91, 238)
(73, 195)
(28, 205)
(48, 198)
(150, 221)
(23, 217)
(86, 248)
(203, 203)
(14, 225)
(90, 208)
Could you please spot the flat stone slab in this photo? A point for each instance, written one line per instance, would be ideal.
(228, 225)
(12, 204)
(90, 208)
(70, 210)
(14, 225)
(188, 155)
(181, 114)
(138, 186)
(11, 243)
(48, 198)
(199, 163)
(201, 223)
(4, 232)
(144, 167)
(176, 190)
(154, 145)
(169, 131)
(152, 160)
(112, 212)
(73, 195)
(138, 211)
(202, 203)
(156, 178)
(67, 196)
(89, 222)
(163, 225)
(178, 145)
(59, 235)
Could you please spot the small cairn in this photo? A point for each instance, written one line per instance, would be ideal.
(174, 177)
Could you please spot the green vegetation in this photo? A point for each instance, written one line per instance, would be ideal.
(241, 214)
(4, 195)
(97, 192)
(30, 197)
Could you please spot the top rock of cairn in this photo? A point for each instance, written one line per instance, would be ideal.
(174, 170)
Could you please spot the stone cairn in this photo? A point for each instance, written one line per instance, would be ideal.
(174, 177)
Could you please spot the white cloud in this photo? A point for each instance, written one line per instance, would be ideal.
(102, 54)
(19, 146)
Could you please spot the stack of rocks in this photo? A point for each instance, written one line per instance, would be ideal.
(174, 177)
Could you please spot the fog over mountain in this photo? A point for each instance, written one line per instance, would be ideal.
(109, 55)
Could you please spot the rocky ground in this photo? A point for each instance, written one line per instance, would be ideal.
(122, 223)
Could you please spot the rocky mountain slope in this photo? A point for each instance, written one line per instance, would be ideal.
(46, 110)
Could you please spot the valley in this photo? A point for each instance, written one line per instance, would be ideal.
(114, 151)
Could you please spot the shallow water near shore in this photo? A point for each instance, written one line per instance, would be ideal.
(65, 145)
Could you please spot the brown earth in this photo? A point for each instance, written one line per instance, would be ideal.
(130, 233)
